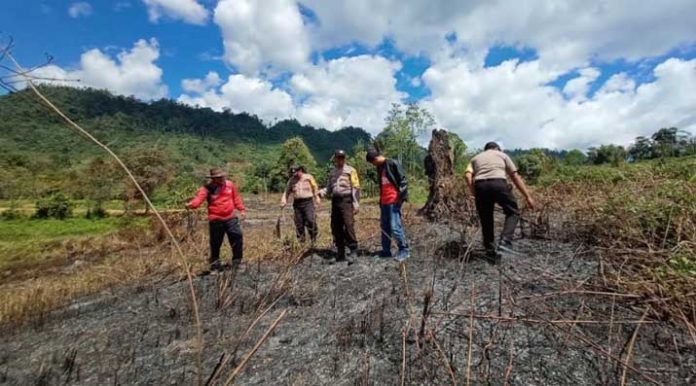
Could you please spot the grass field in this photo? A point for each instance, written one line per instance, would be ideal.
(27, 241)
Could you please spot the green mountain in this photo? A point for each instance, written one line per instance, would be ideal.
(36, 145)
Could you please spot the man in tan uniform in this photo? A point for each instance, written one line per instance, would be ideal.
(343, 186)
(486, 176)
(304, 191)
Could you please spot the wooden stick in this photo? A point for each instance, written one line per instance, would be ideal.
(540, 321)
(448, 365)
(629, 354)
(246, 359)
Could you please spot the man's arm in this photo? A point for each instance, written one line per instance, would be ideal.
(355, 184)
(326, 191)
(522, 187)
(469, 175)
(201, 195)
(402, 181)
(286, 194)
(238, 204)
(315, 189)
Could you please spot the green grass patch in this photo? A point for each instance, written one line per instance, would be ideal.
(26, 240)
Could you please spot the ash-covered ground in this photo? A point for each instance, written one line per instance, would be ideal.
(538, 318)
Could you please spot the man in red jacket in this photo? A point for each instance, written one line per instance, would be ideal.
(223, 200)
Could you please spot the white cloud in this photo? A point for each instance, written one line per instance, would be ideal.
(577, 88)
(512, 103)
(189, 11)
(133, 72)
(212, 79)
(262, 35)
(355, 91)
(242, 94)
(566, 34)
(80, 9)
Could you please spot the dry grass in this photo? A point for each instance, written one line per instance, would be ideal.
(642, 225)
(94, 264)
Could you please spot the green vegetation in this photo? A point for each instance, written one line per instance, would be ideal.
(27, 241)
(40, 156)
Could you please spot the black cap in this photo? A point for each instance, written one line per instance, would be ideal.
(372, 153)
(491, 145)
(294, 168)
(339, 153)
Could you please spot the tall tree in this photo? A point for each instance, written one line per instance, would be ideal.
(575, 158)
(152, 169)
(292, 152)
(612, 154)
(399, 139)
(666, 142)
(459, 156)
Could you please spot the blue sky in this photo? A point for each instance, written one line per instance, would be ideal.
(526, 75)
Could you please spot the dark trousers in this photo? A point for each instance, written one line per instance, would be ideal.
(233, 230)
(489, 193)
(392, 227)
(342, 224)
(305, 217)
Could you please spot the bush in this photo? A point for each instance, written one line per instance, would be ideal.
(96, 212)
(56, 206)
(10, 214)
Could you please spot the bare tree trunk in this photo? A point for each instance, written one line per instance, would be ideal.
(448, 198)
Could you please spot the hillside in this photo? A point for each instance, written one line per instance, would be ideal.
(33, 141)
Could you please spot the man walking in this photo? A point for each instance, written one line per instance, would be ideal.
(303, 189)
(343, 186)
(486, 176)
(223, 200)
(393, 191)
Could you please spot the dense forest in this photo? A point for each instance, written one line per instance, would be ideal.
(39, 155)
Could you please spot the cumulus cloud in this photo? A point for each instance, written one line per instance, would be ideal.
(189, 11)
(133, 72)
(513, 103)
(80, 9)
(566, 34)
(241, 94)
(356, 91)
(259, 36)
(577, 88)
(201, 85)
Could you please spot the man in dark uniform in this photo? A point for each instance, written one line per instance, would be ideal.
(486, 176)
(343, 186)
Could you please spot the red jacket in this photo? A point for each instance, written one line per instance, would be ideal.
(222, 201)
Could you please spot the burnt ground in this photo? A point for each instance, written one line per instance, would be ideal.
(538, 318)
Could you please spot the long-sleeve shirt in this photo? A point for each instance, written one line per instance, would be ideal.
(223, 200)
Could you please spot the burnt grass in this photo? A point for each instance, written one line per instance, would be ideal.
(540, 317)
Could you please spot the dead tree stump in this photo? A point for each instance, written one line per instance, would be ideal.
(448, 199)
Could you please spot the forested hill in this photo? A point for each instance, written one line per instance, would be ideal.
(121, 120)
(33, 141)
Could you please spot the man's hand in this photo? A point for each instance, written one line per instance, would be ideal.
(283, 203)
(356, 209)
(242, 216)
(318, 200)
(531, 203)
(188, 206)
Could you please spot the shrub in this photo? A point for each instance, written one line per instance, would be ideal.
(11, 214)
(55, 206)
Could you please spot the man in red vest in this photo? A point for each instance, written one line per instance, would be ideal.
(223, 203)
(393, 191)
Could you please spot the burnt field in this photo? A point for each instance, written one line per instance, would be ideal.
(446, 316)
